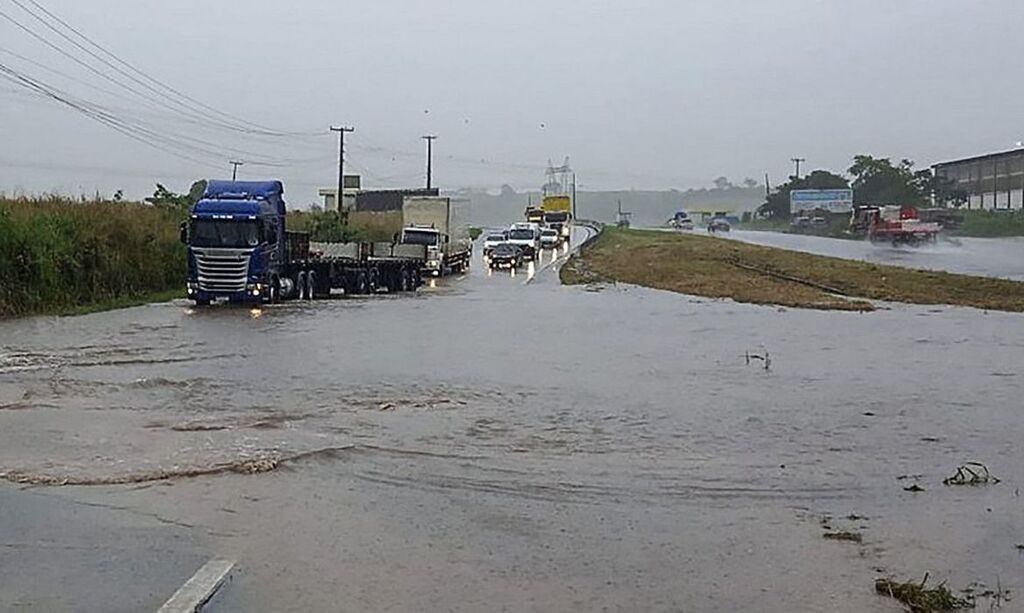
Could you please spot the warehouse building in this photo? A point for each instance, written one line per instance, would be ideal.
(992, 181)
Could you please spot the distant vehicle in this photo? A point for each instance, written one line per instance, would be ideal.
(558, 220)
(506, 255)
(493, 240)
(550, 239)
(534, 214)
(526, 237)
(895, 224)
(718, 224)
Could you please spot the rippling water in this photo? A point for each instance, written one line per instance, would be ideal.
(628, 418)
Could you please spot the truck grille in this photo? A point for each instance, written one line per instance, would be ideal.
(222, 270)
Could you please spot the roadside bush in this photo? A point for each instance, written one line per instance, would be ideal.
(58, 254)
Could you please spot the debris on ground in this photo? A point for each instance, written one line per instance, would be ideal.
(765, 359)
(921, 599)
(844, 535)
(913, 488)
(386, 406)
(997, 597)
(971, 473)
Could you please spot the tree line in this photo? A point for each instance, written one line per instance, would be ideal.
(875, 181)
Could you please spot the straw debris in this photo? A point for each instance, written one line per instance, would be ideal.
(921, 599)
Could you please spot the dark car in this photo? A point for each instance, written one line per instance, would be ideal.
(718, 224)
(506, 256)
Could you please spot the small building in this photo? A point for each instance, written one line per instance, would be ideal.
(329, 195)
(991, 181)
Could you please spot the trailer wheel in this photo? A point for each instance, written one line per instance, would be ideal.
(300, 286)
(311, 286)
(406, 280)
(360, 283)
(373, 281)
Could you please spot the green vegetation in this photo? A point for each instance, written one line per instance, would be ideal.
(61, 256)
(474, 233)
(844, 535)
(324, 226)
(991, 224)
(718, 268)
(920, 599)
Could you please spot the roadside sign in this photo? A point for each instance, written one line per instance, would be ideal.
(831, 200)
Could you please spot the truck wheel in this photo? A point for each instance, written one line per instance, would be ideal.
(300, 286)
(203, 302)
(275, 290)
(361, 283)
(407, 280)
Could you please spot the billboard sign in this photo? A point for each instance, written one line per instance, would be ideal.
(831, 200)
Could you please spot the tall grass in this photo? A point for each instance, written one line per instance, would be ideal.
(59, 255)
(992, 224)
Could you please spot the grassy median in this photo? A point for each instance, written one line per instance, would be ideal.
(717, 268)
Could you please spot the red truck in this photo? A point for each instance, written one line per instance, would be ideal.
(900, 225)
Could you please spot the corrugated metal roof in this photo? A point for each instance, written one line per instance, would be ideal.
(1019, 152)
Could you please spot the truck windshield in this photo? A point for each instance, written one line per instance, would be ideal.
(521, 235)
(419, 237)
(224, 233)
(555, 217)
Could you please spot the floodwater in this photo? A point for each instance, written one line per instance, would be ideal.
(493, 443)
(987, 257)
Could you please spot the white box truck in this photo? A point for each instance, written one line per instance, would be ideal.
(437, 223)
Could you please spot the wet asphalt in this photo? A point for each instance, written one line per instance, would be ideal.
(493, 444)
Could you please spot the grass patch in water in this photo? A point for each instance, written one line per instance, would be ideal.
(844, 535)
(921, 599)
(717, 268)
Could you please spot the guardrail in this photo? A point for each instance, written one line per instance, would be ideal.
(596, 226)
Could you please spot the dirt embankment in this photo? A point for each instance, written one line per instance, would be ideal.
(706, 266)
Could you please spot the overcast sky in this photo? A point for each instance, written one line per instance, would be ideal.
(639, 93)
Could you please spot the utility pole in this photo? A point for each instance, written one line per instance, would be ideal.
(341, 130)
(430, 158)
(574, 195)
(234, 169)
(798, 161)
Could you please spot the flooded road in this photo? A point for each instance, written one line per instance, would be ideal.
(987, 257)
(492, 443)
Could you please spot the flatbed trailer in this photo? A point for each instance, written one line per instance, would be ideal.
(354, 268)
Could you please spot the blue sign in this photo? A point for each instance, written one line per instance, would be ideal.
(831, 200)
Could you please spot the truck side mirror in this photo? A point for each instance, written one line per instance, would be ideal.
(183, 232)
(447, 239)
(394, 238)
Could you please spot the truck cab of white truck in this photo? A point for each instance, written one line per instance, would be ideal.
(433, 240)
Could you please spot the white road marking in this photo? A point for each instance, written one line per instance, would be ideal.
(199, 589)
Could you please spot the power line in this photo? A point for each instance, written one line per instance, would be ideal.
(188, 105)
(261, 129)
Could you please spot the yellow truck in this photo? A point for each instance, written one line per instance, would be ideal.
(557, 214)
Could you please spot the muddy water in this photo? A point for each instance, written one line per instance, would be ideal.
(495, 443)
(988, 257)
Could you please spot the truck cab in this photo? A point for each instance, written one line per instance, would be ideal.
(434, 242)
(236, 241)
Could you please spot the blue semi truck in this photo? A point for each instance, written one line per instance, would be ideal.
(240, 250)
